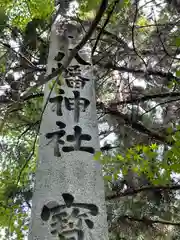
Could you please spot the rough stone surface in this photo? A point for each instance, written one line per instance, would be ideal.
(74, 172)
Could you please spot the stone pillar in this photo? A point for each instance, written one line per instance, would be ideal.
(68, 201)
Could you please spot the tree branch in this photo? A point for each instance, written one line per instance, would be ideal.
(168, 75)
(73, 53)
(5, 100)
(136, 125)
(18, 53)
(36, 95)
(133, 33)
(109, 14)
(147, 97)
(148, 221)
(143, 189)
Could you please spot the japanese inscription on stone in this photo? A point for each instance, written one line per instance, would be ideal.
(68, 201)
(77, 138)
(70, 103)
(69, 221)
(77, 104)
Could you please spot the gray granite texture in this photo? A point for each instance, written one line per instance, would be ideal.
(68, 201)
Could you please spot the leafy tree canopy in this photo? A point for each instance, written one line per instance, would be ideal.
(136, 60)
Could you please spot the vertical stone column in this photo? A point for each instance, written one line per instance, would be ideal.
(68, 201)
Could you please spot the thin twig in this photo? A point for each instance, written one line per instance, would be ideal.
(159, 104)
(17, 53)
(133, 31)
(73, 53)
(147, 97)
(152, 72)
(143, 189)
(149, 221)
(105, 24)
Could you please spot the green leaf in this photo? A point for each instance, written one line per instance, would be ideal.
(107, 178)
(178, 127)
(169, 130)
(178, 73)
(170, 85)
(177, 41)
(97, 156)
(61, 80)
(154, 146)
(142, 21)
(41, 9)
(145, 149)
(3, 19)
(138, 148)
(89, 5)
(120, 158)
(115, 176)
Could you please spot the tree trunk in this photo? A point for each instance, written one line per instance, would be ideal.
(68, 201)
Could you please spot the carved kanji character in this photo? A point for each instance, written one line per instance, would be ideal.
(76, 82)
(77, 138)
(75, 104)
(59, 56)
(56, 136)
(58, 102)
(67, 221)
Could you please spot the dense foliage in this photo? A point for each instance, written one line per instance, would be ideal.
(136, 58)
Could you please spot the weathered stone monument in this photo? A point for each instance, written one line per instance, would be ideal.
(68, 201)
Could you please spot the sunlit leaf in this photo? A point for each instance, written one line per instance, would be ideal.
(178, 73)
(177, 41)
(97, 156)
